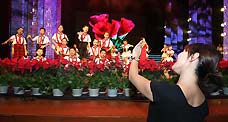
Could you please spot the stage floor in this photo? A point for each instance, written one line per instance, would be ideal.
(16, 109)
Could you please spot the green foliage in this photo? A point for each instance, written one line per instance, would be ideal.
(114, 79)
(125, 83)
(5, 79)
(153, 75)
(225, 77)
(76, 79)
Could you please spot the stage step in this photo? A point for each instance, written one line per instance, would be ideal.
(157, 58)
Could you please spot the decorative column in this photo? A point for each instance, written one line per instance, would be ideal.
(52, 19)
(225, 39)
(19, 16)
(32, 25)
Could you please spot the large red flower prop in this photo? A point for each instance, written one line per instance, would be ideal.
(125, 26)
(116, 28)
(98, 18)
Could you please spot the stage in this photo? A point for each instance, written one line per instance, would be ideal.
(17, 109)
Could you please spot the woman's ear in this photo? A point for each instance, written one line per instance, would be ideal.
(194, 57)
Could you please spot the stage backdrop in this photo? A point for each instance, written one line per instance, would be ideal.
(33, 14)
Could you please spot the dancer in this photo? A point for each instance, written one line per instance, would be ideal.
(85, 40)
(164, 52)
(107, 44)
(102, 59)
(18, 46)
(144, 50)
(170, 54)
(125, 46)
(73, 56)
(63, 50)
(42, 41)
(57, 39)
(94, 51)
(39, 55)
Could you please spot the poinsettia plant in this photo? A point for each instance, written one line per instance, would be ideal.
(223, 66)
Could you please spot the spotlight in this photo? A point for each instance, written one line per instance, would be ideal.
(189, 31)
(223, 34)
(189, 39)
(223, 9)
(165, 26)
(223, 24)
(189, 19)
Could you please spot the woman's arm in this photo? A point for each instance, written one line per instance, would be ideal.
(141, 83)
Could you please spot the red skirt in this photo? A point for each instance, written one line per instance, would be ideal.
(19, 51)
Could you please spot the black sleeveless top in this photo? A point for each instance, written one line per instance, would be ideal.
(170, 105)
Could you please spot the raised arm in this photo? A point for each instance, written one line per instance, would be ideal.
(8, 40)
(141, 83)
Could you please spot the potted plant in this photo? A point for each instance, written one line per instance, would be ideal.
(102, 78)
(113, 83)
(76, 83)
(5, 79)
(18, 84)
(225, 76)
(125, 84)
(94, 85)
(58, 85)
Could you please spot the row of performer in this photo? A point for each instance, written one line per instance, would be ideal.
(61, 49)
(59, 44)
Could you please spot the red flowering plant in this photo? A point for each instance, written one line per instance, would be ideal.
(157, 71)
(223, 67)
(117, 30)
(150, 69)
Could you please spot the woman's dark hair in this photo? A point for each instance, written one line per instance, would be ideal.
(209, 79)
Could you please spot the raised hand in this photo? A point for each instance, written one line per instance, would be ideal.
(29, 37)
(137, 50)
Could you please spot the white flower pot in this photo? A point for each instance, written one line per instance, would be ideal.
(57, 92)
(18, 90)
(93, 92)
(36, 91)
(112, 92)
(3, 89)
(77, 92)
(225, 90)
(215, 93)
(127, 92)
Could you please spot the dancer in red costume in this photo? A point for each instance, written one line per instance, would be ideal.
(18, 45)
(144, 46)
(57, 39)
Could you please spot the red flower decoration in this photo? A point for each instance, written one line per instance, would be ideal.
(223, 64)
(101, 25)
(98, 18)
(125, 26)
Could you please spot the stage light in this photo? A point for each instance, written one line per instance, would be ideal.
(189, 39)
(223, 34)
(164, 26)
(223, 9)
(165, 36)
(189, 31)
(223, 24)
(189, 19)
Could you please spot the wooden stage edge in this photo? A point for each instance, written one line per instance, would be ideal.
(14, 109)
